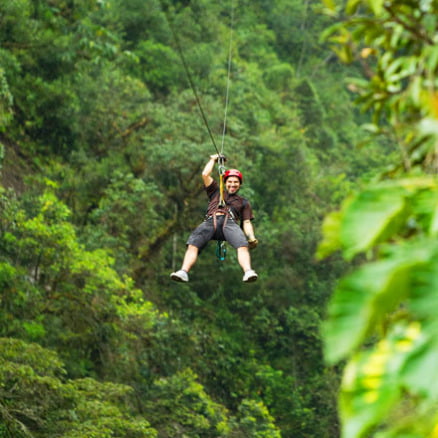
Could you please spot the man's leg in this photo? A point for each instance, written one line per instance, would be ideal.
(235, 236)
(190, 258)
(198, 239)
(244, 258)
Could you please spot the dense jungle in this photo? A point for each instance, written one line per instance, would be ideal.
(109, 110)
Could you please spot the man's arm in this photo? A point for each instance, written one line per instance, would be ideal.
(206, 173)
(248, 229)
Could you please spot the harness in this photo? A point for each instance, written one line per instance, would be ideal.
(222, 206)
(221, 249)
(224, 210)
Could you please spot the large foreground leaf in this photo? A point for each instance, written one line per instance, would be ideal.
(371, 385)
(364, 297)
(381, 212)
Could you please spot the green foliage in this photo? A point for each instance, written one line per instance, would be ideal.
(193, 412)
(69, 286)
(390, 209)
(5, 102)
(37, 401)
(159, 66)
(97, 104)
(399, 56)
(255, 421)
(99, 412)
(403, 275)
(381, 317)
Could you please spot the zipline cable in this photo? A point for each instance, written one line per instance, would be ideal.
(221, 160)
(228, 76)
(221, 249)
(188, 74)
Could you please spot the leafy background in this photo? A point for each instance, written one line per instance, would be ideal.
(102, 144)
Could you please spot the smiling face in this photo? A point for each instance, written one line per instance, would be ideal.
(232, 184)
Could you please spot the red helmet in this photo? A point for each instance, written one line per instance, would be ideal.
(233, 172)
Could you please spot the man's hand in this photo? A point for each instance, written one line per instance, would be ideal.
(252, 243)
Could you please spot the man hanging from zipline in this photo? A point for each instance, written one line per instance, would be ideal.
(228, 219)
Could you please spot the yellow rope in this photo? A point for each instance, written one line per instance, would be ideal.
(221, 165)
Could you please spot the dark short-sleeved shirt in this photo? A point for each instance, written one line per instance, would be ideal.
(239, 206)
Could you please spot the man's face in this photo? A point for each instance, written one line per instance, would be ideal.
(232, 184)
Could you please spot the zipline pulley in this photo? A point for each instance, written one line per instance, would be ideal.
(221, 250)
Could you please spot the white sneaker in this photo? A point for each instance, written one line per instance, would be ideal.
(250, 276)
(180, 276)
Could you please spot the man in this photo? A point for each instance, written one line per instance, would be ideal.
(222, 223)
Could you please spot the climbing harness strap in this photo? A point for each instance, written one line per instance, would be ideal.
(221, 250)
(215, 220)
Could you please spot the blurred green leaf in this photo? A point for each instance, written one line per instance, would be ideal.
(364, 298)
(372, 382)
(376, 6)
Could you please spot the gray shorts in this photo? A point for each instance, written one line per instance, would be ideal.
(205, 232)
